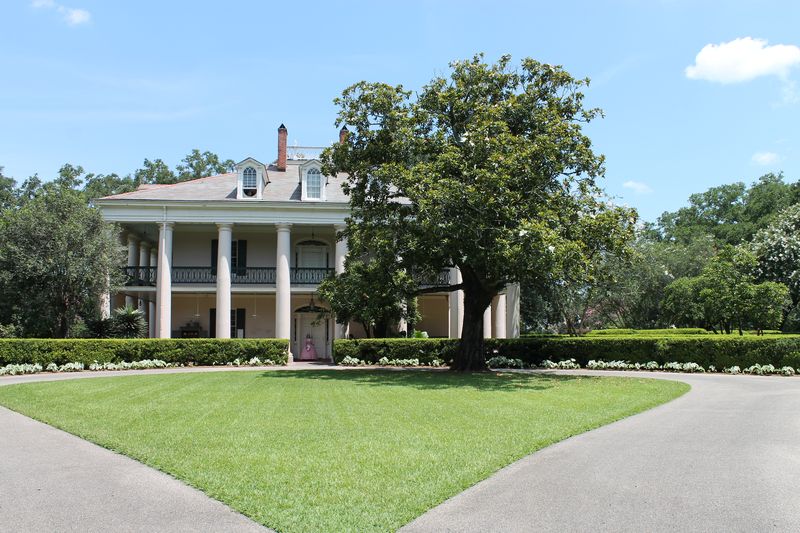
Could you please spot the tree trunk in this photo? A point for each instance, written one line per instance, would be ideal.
(471, 355)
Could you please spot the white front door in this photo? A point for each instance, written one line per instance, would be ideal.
(312, 341)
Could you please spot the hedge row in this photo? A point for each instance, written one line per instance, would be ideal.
(705, 350)
(650, 332)
(180, 351)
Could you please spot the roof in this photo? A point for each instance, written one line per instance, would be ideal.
(282, 186)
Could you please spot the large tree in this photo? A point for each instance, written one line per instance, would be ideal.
(57, 257)
(486, 169)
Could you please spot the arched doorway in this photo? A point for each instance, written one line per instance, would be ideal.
(311, 254)
(312, 337)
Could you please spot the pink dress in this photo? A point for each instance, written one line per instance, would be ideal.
(309, 351)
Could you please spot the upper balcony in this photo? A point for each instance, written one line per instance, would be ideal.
(205, 275)
(197, 275)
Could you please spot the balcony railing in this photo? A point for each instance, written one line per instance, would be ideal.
(309, 276)
(253, 275)
(146, 276)
(196, 275)
(193, 275)
(140, 276)
(442, 278)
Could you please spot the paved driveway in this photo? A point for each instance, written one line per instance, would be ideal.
(724, 457)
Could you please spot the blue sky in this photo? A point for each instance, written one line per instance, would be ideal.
(106, 84)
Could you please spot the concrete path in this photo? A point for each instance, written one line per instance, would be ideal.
(724, 457)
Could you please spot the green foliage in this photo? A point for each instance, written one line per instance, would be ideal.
(155, 172)
(721, 351)
(649, 332)
(372, 293)
(128, 323)
(182, 351)
(200, 165)
(731, 213)
(372, 350)
(486, 169)
(57, 256)
(726, 296)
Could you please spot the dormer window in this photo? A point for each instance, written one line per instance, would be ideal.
(251, 179)
(314, 184)
(249, 182)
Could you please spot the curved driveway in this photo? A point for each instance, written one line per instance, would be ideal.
(724, 457)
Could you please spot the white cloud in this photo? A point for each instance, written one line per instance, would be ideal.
(638, 187)
(71, 15)
(765, 158)
(743, 59)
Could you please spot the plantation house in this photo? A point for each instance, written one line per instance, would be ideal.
(241, 255)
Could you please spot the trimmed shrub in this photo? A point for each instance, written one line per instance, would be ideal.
(647, 332)
(370, 351)
(178, 351)
(705, 350)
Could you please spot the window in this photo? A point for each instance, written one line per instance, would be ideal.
(249, 184)
(314, 184)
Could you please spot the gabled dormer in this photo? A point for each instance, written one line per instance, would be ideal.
(251, 179)
(312, 182)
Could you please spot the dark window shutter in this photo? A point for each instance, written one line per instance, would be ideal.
(242, 255)
(212, 323)
(214, 253)
(240, 321)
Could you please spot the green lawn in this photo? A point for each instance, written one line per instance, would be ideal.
(333, 450)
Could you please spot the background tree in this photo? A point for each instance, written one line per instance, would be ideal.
(56, 254)
(200, 165)
(488, 170)
(8, 188)
(155, 171)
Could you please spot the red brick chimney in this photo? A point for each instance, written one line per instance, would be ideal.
(282, 135)
(343, 134)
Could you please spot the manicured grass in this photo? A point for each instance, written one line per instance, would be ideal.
(333, 450)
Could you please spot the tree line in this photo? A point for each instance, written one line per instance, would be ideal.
(727, 261)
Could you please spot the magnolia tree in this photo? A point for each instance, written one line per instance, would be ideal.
(486, 169)
(777, 248)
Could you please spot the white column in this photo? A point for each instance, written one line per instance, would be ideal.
(133, 261)
(456, 304)
(487, 322)
(151, 304)
(512, 311)
(499, 314)
(224, 281)
(283, 289)
(164, 281)
(341, 330)
(144, 261)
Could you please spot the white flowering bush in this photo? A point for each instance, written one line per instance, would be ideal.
(134, 365)
(254, 361)
(71, 367)
(384, 361)
(568, 364)
(352, 361)
(436, 362)
(674, 366)
(500, 361)
(15, 370)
